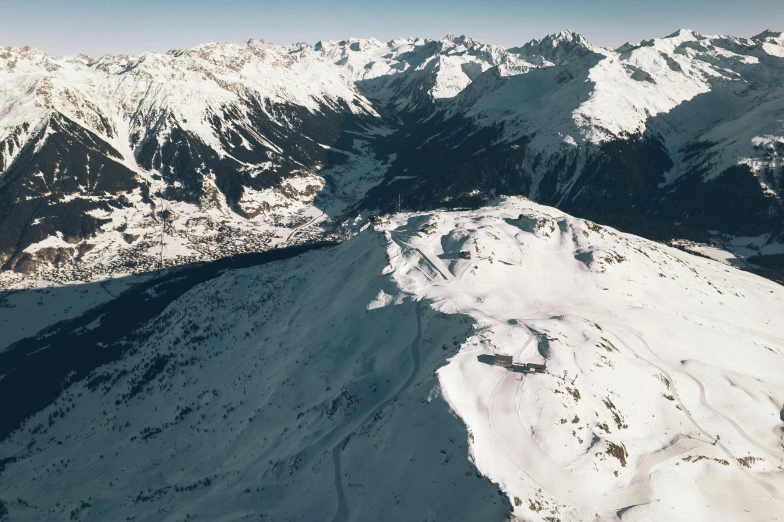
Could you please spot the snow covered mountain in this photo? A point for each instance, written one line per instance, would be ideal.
(200, 141)
(128, 163)
(356, 382)
(555, 49)
(409, 76)
(684, 129)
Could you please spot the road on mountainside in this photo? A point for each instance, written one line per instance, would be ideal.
(300, 227)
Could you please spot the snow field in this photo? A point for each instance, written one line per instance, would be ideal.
(651, 355)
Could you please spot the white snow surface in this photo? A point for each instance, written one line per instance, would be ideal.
(606, 94)
(562, 90)
(665, 372)
(191, 85)
(302, 389)
(618, 92)
(397, 71)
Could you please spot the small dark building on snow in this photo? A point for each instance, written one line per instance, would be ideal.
(503, 360)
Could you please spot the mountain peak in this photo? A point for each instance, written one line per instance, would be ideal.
(555, 48)
(464, 40)
(684, 35)
(566, 34)
(26, 52)
(770, 36)
(678, 37)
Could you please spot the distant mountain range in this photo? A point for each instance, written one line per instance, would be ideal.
(126, 163)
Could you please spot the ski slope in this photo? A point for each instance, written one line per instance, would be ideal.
(651, 354)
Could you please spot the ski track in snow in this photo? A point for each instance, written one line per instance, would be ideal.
(702, 398)
(522, 449)
(735, 425)
(667, 372)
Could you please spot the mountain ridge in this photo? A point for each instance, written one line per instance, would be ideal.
(357, 381)
(258, 139)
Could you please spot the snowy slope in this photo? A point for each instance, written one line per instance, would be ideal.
(684, 130)
(596, 95)
(290, 391)
(627, 87)
(555, 49)
(190, 85)
(651, 355)
(320, 387)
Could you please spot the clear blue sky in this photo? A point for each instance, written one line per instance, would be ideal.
(120, 26)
